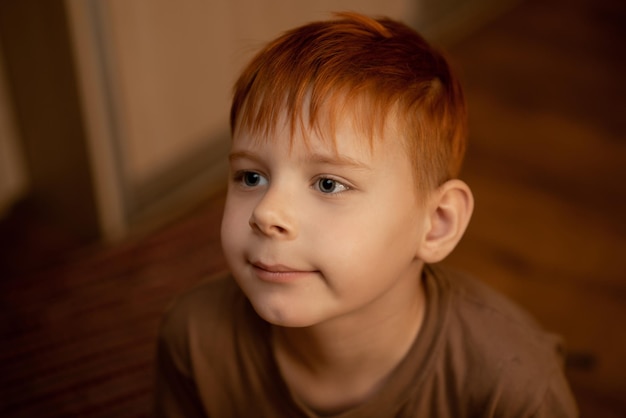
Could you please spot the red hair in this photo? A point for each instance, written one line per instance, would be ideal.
(374, 67)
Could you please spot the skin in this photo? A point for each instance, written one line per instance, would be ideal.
(328, 243)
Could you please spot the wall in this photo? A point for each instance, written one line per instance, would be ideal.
(40, 72)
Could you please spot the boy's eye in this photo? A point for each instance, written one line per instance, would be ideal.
(330, 186)
(251, 178)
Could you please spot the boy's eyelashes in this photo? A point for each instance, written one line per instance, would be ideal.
(324, 184)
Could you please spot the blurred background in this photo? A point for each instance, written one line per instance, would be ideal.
(113, 133)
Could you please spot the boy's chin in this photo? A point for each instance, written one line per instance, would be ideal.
(286, 316)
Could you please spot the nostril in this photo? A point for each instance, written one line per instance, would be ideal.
(279, 229)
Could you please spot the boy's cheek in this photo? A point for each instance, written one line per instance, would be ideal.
(235, 221)
(231, 222)
(231, 241)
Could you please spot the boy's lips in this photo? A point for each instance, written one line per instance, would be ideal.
(278, 272)
(274, 268)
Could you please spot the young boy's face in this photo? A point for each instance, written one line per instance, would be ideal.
(314, 233)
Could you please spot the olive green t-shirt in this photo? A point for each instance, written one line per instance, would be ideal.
(477, 355)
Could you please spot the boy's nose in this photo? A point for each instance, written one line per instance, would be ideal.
(273, 217)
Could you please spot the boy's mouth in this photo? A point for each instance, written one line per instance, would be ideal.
(273, 268)
(277, 272)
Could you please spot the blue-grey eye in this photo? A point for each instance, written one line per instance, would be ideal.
(251, 179)
(329, 186)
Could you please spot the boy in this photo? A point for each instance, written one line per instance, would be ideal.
(348, 136)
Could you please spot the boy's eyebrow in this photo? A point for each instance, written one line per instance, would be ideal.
(236, 155)
(338, 160)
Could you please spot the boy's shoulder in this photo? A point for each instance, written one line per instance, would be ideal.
(496, 348)
(492, 321)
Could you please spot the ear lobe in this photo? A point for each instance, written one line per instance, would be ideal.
(449, 213)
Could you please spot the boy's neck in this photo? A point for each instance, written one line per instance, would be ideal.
(338, 364)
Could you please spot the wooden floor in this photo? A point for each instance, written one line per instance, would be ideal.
(547, 163)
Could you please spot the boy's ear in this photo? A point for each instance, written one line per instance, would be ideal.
(449, 211)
